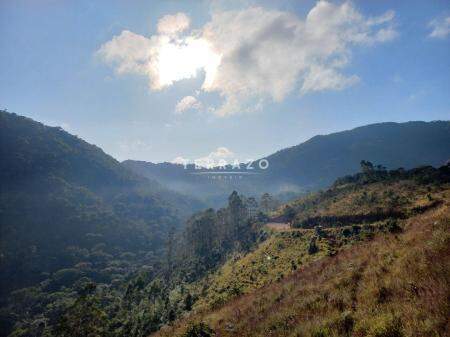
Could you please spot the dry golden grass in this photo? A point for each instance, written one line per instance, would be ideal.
(400, 196)
(394, 285)
(278, 257)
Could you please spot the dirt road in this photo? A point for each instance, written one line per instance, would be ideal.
(279, 226)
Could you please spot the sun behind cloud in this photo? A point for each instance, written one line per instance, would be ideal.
(253, 55)
(178, 60)
(165, 58)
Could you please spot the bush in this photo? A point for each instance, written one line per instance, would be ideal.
(319, 231)
(345, 323)
(346, 232)
(356, 229)
(393, 226)
(199, 330)
(312, 249)
(383, 294)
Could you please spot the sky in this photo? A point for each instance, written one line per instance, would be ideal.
(184, 80)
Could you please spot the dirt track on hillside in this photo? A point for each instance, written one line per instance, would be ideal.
(279, 226)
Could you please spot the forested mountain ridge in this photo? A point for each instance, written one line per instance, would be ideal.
(65, 202)
(317, 162)
(322, 159)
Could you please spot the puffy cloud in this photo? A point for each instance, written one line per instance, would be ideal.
(440, 28)
(267, 53)
(322, 78)
(173, 24)
(218, 157)
(253, 55)
(129, 52)
(180, 160)
(187, 103)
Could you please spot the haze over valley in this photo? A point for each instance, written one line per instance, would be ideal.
(224, 168)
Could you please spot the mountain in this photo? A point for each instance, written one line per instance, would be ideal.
(64, 202)
(322, 159)
(317, 162)
(85, 239)
(366, 257)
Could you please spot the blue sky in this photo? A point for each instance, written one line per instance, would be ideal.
(391, 62)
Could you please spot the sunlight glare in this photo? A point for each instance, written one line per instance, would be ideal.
(183, 59)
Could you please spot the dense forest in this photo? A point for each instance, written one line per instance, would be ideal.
(70, 212)
(128, 294)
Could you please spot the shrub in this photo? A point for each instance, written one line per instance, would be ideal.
(356, 229)
(188, 302)
(312, 249)
(383, 295)
(344, 323)
(319, 231)
(393, 226)
(199, 330)
(346, 232)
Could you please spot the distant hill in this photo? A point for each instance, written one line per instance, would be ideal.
(64, 202)
(186, 180)
(320, 160)
(317, 162)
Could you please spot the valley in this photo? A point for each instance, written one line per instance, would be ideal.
(224, 168)
(86, 238)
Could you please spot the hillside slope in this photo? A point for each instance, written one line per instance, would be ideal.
(317, 162)
(64, 201)
(322, 159)
(365, 277)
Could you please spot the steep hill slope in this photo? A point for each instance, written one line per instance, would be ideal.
(364, 276)
(317, 162)
(64, 201)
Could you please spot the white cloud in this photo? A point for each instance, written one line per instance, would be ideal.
(321, 78)
(162, 58)
(180, 160)
(218, 157)
(267, 53)
(440, 28)
(187, 103)
(129, 52)
(253, 55)
(173, 24)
